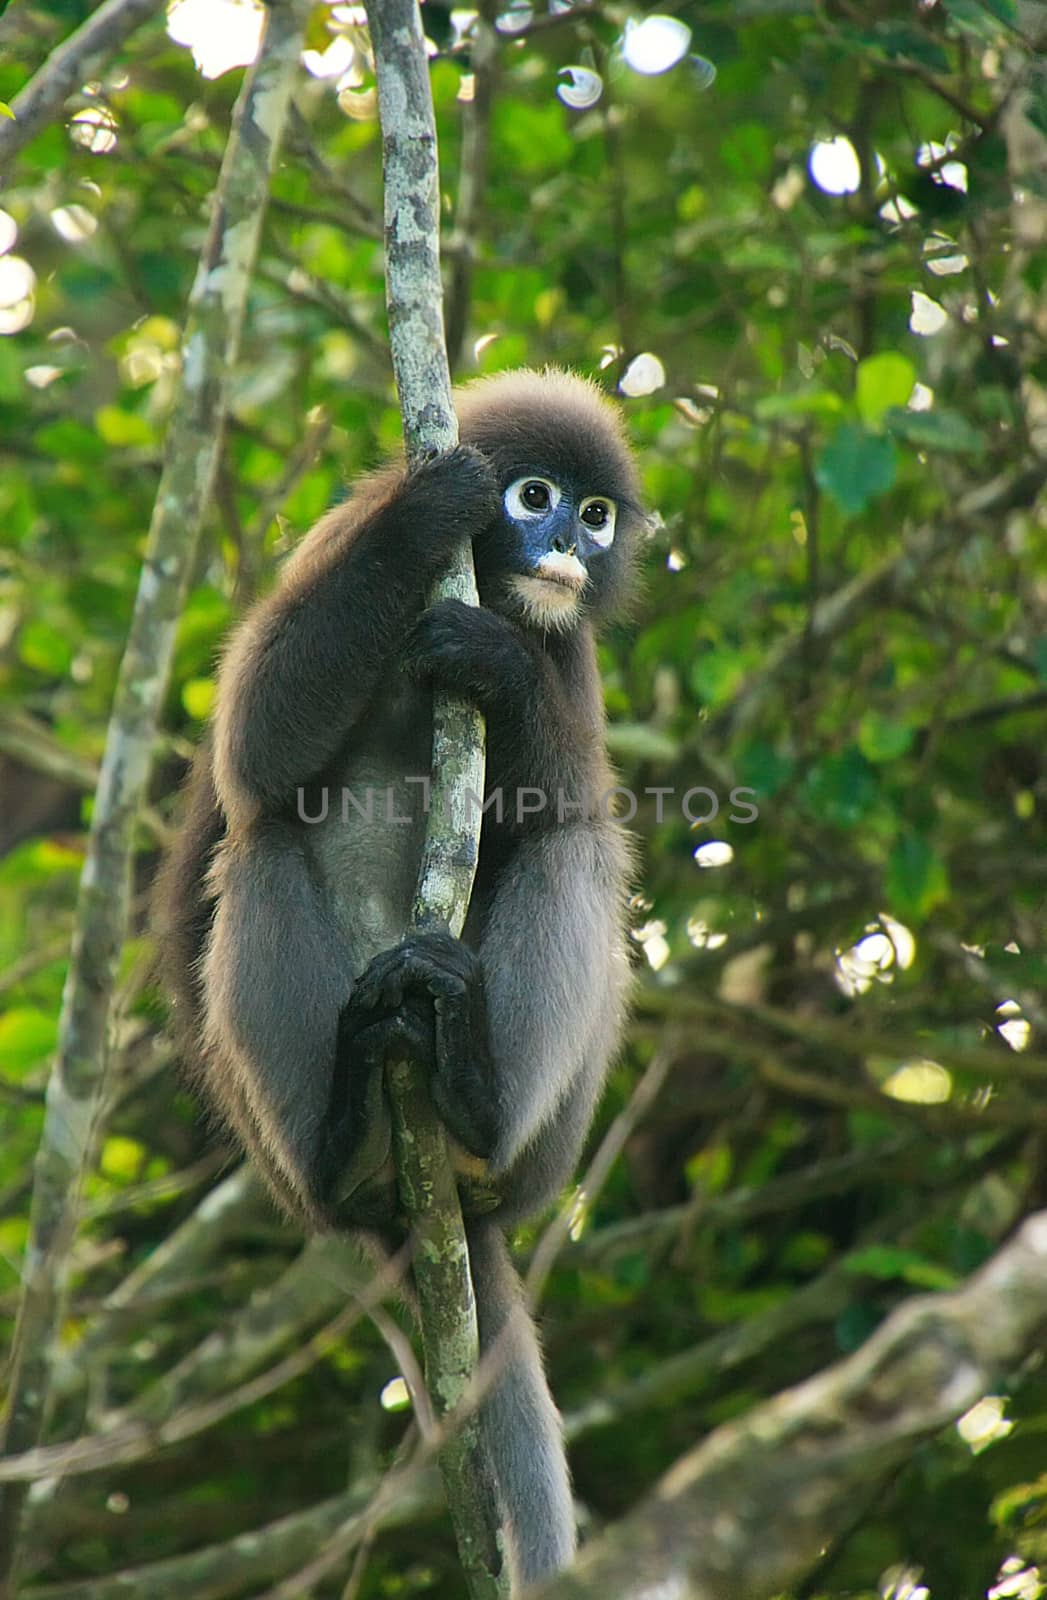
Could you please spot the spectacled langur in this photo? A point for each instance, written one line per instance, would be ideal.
(282, 906)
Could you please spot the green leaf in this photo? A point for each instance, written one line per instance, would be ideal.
(38, 862)
(198, 697)
(70, 441)
(805, 1251)
(856, 467)
(12, 367)
(638, 741)
(748, 151)
(916, 879)
(708, 1172)
(800, 403)
(896, 39)
(206, 616)
(763, 767)
(882, 738)
(123, 428)
(632, 1272)
(317, 33)
(842, 789)
(46, 649)
(889, 1261)
(717, 674)
(980, 17)
(883, 381)
(122, 1158)
(935, 430)
(27, 1036)
(5, 109)
(1005, 10)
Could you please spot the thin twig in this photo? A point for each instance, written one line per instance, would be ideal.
(472, 185)
(611, 1146)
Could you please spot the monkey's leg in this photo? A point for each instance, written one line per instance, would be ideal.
(429, 974)
(275, 976)
(556, 977)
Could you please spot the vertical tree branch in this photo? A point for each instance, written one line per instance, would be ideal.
(415, 302)
(74, 1095)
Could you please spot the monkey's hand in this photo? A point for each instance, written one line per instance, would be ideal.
(452, 491)
(427, 995)
(473, 653)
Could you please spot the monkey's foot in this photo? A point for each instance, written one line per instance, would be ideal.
(438, 971)
(436, 964)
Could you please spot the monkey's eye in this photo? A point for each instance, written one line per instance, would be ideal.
(598, 516)
(531, 497)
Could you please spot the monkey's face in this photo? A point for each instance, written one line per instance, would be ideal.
(558, 553)
(552, 541)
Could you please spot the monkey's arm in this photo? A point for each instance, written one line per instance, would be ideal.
(550, 927)
(543, 709)
(307, 661)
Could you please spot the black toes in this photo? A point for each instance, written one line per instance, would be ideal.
(435, 964)
(424, 1001)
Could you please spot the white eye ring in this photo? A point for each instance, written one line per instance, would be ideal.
(517, 507)
(600, 536)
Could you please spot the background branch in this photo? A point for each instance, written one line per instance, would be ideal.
(750, 1509)
(75, 1090)
(36, 106)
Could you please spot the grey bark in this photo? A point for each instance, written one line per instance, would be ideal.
(414, 296)
(748, 1511)
(75, 1089)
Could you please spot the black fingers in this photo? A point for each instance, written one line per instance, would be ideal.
(462, 1084)
(355, 1151)
(457, 484)
(472, 652)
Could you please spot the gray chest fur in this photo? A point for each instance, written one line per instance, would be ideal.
(368, 844)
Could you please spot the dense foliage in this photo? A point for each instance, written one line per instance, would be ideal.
(816, 275)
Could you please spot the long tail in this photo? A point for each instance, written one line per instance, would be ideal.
(520, 1423)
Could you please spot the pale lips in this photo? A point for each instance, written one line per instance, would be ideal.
(562, 568)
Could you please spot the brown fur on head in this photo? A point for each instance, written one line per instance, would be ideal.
(562, 426)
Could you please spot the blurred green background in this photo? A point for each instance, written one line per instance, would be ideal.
(809, 254)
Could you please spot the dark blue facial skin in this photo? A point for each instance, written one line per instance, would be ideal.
(556, 530)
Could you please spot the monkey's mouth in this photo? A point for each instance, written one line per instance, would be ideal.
(565, 570)
(548, 600)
